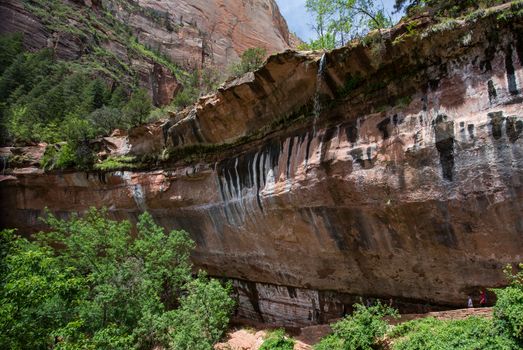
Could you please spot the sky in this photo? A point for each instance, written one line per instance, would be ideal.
(299, 20)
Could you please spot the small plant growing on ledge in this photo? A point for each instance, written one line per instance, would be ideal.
(251, 60)
(116, 163)
(277, 340)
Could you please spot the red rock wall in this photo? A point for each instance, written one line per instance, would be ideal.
(408, 185)
(214, 32)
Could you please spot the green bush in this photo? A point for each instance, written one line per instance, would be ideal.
(10, 47)
(203, 315)
(363, 330)
(508, 311)
(116, 163)
(105, 119)
(251, 60)
(431, 334)
(106, 288)
(137, 110)
(195, 84)
(36, 295)
(277, 340)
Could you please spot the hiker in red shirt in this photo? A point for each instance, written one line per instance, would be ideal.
(483, 298)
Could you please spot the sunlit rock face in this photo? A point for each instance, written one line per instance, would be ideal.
(405, 183)
(198, 32)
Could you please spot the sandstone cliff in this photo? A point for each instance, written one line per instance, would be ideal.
(137, 39)
(198, 32)
(391, 168)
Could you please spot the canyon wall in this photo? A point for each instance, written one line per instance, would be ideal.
(391, 168)
(198, 32)
(189, 33)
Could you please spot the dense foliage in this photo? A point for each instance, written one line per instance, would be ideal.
(197, 83)
(39, 93)
(429, 333)
(104, 288)
(277, 340)
(363, 330)
(367, 328)
(508, 312)
(336, 22)
(44, 99)
(251, 60)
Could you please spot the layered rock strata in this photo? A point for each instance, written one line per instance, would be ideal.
(199, 32)
(387, 170)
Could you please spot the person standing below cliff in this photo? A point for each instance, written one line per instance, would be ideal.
(483, 298)
(470, 304)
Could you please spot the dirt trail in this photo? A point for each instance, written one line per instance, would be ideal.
(246, 338)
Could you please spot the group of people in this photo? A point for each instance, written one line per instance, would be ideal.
(482, 299)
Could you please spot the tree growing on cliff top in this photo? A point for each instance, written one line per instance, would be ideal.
(106, 288)
(251, 60)
(336, 22)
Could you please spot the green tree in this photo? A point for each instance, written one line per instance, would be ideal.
(119, 97)
(190, 91)
(362, 330)
(277, 340)
(106, 119)
(251, 60)
(203, 315)
(336, 22)
(323, 11)
(94, 96)
(106, 288)
(37, 295)
(138, 108)
(508, 311)
(10, 48)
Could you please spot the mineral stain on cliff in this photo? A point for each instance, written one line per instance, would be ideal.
(511, 74)
(444, 131)
(514, 128)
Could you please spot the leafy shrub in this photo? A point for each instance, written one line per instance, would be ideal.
(138, 108)
(429, 333)
(203, 315)
(105, 119)
(106, 288)
(196, 84)
(508, 311)
(331, 342)
(362, 330)
(66, 157)
(251, 60)
(114, 163)
(277, 340)
(36, 295)
(10, 47)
